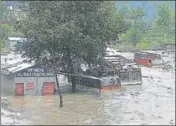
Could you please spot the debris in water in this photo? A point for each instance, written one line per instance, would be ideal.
(157, 105)
(145, 76)
(171, 121)
(144, 124)
(89, 93)
(132, 118)
(136, 102)
(169, 88)
(160, 117)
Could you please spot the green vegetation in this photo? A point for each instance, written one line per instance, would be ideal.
(5, 28)
(144, 34)
(64, 34)
(7, 22)
(130, 24)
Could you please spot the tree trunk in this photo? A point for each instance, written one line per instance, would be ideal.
(73, 81)
(70, 64)
(118, 37)
(61, 98)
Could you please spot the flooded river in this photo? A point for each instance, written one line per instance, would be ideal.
(153, 102)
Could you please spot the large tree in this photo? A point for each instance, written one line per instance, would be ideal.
(7, 21)
(135, 17)
(5, 28)
(61, 34)
(162, 28)
(164, 22)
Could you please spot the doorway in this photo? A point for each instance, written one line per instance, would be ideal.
(19, 89)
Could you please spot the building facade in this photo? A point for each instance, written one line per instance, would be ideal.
(12, 42)
(28, 81)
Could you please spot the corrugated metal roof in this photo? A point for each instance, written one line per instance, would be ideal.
(19, 67)
(14, 63)
(11, 60)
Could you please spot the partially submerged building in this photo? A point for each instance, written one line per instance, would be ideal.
(27, 79)
(97, 84)
(118, 69)
(24, 79)
(148, 59)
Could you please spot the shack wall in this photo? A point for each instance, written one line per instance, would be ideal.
(110, 81)
(37, 81)
(82, 88)
(65, 85)
(38, 84)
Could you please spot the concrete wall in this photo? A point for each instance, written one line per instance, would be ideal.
(65, 86)
(7, 44)
(81, 88)
(107, 81)
(38, 84)
(137, 82)
(12, 45)
(7, 85)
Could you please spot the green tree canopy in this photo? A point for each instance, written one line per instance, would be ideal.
(138, 25)
(5, 27)
(163, 27)
(72, 31)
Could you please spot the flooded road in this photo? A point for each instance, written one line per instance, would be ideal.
(78, 109)
(153, 102)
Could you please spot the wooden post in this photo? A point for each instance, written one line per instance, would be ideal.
(61, 98)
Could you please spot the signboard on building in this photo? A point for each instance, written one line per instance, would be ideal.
(35, 71)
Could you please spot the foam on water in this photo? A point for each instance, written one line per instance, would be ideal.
(153, 102)
(11, 118)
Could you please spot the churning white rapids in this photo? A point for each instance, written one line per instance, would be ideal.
(8, 116)
(153, 102)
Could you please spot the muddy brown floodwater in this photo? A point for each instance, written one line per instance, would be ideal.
(43, 110)
(153, 102)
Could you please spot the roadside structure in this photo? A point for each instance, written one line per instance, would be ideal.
(23, 79)
(148, 59)
(27, 79)
(12, 42)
